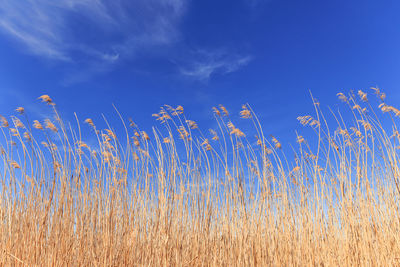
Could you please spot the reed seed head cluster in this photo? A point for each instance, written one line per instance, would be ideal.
(238, 194)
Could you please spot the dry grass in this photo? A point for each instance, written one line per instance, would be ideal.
(183, 197)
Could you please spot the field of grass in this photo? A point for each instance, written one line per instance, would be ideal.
(186, 196)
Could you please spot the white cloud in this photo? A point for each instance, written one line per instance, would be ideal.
(93, 35)
(99, 30)
(209, 63)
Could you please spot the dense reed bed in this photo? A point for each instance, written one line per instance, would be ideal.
(183, 196)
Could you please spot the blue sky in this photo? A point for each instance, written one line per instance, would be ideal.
(141, 54)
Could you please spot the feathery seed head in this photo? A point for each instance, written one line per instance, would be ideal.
(387, 108)
(224, 110)
(27, 136)
(111, 133)
(206, 145)
(205, 142)
(183, 134)
(259, 142)
(300, 139)
(215, 135)
(83, 144)
(46, 99)
(276, 142)
(20, 110)
(245, 113)
(178, 110)
(131, 123)
(17, 122)
(14, 132)
(136, 141)
(106, 138)
(107, 156)
(376, 90)
(356, 132)
(367, 126)
(162, 116)
(234, 130)
(145, 136)
(15, 165)
(216, 111)
(238, 132)
(363, 95)
(304, 120)
(37, 125)
(295, 169)
(50, 125)
(342, 97)
(4, 122)
(192, 124)
(230, 125)
(89, 121)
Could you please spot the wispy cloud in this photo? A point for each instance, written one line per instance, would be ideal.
(93, 35)
(72, 30)
(256, 3)
(207, 63)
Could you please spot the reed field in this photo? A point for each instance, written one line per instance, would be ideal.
(77, 194)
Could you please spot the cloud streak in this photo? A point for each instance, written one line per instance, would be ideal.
(59, 29)
(91, 36)
(208, 63)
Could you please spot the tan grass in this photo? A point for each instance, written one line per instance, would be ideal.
(181, 197)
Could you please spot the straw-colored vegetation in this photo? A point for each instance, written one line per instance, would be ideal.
(182, 196)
